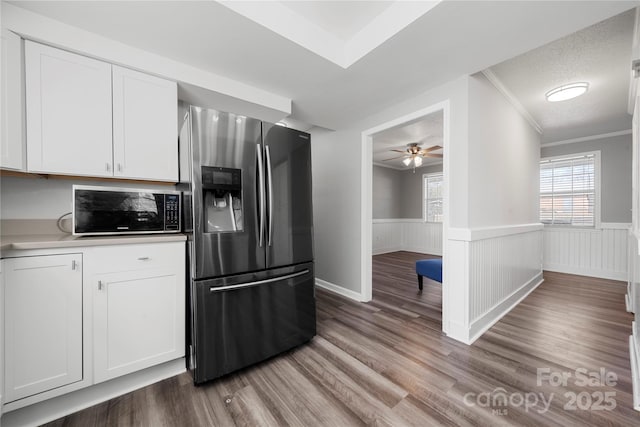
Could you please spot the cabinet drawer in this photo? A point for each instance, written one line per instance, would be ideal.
(121, 258)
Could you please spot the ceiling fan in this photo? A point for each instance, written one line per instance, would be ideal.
(415, 153)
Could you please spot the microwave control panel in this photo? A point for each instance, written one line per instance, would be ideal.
(171, 212)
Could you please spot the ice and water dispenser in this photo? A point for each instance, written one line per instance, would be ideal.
(222, 193)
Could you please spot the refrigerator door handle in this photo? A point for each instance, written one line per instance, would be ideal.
(270, 194)
(261, 196)
(258, 282)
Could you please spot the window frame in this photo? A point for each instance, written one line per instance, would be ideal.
(425, 176)
(597, 224)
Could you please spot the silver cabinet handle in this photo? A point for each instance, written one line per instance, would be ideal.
(261, 194)
(259, 282)
(270, 195)
(119, 167)
(101, 285)
(74, 264)
(107, 167)
(144, 258)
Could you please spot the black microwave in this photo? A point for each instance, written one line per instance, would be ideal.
(112, 210)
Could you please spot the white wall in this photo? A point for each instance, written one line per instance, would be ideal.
(504, 155)
(337, 183)
(500, 251)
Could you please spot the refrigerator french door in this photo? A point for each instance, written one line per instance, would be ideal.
(251, 249)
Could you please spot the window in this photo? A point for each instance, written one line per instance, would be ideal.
(432, 197)
(569, 190)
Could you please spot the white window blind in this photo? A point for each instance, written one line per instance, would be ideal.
(433, 197)
(568, 191)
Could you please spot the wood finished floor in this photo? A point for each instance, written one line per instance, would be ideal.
(387, 363)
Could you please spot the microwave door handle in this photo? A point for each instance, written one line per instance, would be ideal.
(270, 194)
(261, 195)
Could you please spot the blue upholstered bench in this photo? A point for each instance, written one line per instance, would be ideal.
(431, 268)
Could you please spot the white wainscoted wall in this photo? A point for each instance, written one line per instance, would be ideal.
(502, 265)
(600, 252)
(414, 235)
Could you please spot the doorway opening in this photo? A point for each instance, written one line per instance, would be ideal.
(406, 223)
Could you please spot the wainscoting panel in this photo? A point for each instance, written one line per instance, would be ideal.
(503, 265)
(589, 252)
(502, 270)
(415, 235)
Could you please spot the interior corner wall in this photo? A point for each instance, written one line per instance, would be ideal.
(411, 200)
(337, 182)
(504, 156)
(387, 193)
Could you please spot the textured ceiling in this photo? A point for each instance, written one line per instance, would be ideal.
(599, 55)
(427, 131)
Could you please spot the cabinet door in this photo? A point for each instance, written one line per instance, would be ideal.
(68, 104)
(43, 323)
(12, 155)
(145, 126)
(138, 320)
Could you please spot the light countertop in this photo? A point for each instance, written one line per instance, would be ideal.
(54, 241)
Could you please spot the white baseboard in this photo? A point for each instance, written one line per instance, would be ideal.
(490, 318)
(601, 274)
(52, 409)
(347, 293)
(380, 251)
(627, 303)
(422, 250)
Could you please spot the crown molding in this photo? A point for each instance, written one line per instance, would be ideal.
(495, 81)
(586, 138)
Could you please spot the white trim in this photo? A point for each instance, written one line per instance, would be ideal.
(490, 318)
(579, 271)
(390, 220)
(58, 407)
(586, 138)
(615, 225)
(366, 180)
(340, 290)
(497, 83)
(482, 233)
(635, 372)
(635, 55)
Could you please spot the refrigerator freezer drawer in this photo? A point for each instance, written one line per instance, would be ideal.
(239, 324)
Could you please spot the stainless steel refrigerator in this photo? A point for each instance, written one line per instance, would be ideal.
(248, 218)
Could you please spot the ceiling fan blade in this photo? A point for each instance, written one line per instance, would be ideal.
(393, 158)
(434, 148)
(435, 156)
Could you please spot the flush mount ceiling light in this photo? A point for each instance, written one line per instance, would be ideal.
(570, 91)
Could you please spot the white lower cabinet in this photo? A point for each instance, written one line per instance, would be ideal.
(79, 319)
(43, 324)
(138, 308)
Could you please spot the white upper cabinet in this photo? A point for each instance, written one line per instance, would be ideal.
(90, 118)
(145, 123)
(12, 155)
(68, 104)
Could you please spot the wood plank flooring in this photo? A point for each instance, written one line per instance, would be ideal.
(387, 363)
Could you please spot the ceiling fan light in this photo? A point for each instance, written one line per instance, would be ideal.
(418, 161)
(565, 92)
(407, 161)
